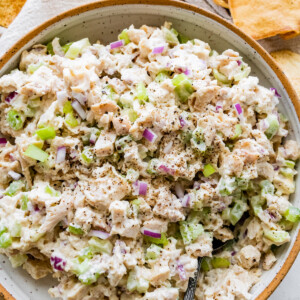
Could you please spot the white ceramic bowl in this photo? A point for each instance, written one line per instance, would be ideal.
(103, 21)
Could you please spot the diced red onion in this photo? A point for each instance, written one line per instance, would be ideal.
(116, 44)
(166, 169)
(93, 139)
(182, 121)
(73, 154)
(61, 154)
(168, 147)
(181, 271)
(149, 135)
(179, 190)
(158, 50)
(3, 142)
(151, 233)
(80, 98)
(76, 105)
(239, 62)
(11, 96)
(14, 175)
(238, 108)
(233, 253)
(219, 105)
(61, 95)
(275, 92)
(275, 167)
(100, 234)
(140, 188)
(57, 263)
(184, 70)
(185, 201)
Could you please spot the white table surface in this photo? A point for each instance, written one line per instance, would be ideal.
(289, 289)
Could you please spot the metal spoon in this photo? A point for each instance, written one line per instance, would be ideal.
(191, 289)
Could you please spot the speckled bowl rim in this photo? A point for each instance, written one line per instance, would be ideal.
(265, 294)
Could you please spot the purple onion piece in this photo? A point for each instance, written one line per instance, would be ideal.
(149, 135)
(151, 233)
(239, 62)
(181, 271)
(11, 96)
(158, 50)
(14, 175)
(182, 121)
(166, 169)
(117, 44)
(61, 154)
(275, 92)
(238, 108)
(78, 108)
(58, 263)
(100, 234)
(3, 142)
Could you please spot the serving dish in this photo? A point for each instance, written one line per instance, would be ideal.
(104, 20)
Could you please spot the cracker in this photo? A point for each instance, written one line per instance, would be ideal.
(223, 3)
(289, 62)
(266, 18)
(9, 9)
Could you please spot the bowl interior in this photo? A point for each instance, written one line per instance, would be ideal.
(105, 24)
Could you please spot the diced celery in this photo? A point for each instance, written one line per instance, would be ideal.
(206, 264)
(125, 102)
(46, 133)
(66, 47)
(183, 87)
(88, 278)
(190, 232)
(152, 166)
(136, 206)
(15, 119)
(3, 228)
(112, 95)
(287, 172)
(237, 212)
(5, 240)
(24, 202)
(242, 183)
(237, 131)
(87, 155)
(221, 77)
(76, 48)
(266, 188)
(100, 246)
(161, 76)
(186, 136)
(132, 175)
(226, 214)
(33, 67)
(142, 285)
(194, 217)
(170, 36)
(122, 143)
(256, 203)
(132, 281)
(220, 262)
(292, 214)
(75, 229)
(141, 93)
(80, 267)
(286, 225)
(272, 120)
(226, 186)
(243, 74)
(52, 192)
(132, 114)
(14, 187)
(208, 170)
(15, 230)
(50, 48)
(67, 108)
(71, 120)
(277, 236)
(36, 153)
(182, 38)
(124, 36)
(17, 260)
(289, 164)
(153, 252)
(162, 241)
(85, 253)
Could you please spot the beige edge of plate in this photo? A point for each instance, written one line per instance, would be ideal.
(262, 52)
